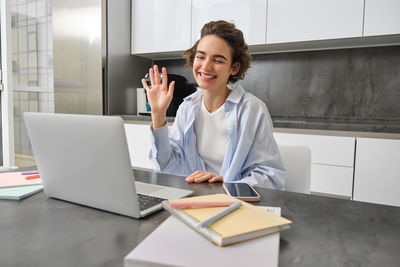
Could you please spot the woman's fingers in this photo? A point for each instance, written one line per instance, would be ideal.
(145, 85)
(165, 78)
(156, 75)
(202, 176)
(190, 178)
(155, 79)
(205, 177)
(216, 179)
(151, 73)
(171, 89)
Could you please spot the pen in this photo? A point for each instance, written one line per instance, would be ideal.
(199, 204)
(219, 215)
(30, 177)
(29, 172)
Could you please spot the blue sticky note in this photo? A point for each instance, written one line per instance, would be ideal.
(19, 192)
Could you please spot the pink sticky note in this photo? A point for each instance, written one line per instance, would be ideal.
(11, 179)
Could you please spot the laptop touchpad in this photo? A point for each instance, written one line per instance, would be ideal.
(144, 188)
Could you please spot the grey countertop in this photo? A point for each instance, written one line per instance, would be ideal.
(41, 231)
(371, 129)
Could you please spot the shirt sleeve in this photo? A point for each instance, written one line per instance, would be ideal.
(262, 166)
(167, 152)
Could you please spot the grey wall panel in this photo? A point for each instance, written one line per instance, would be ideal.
(124, 70)
(346, 89)
(355, 84)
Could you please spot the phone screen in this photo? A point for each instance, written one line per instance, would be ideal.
(240, 190)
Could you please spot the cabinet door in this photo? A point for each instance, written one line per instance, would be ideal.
(377, 171)
(329, 150)
(248, 16)
(160, 25)
(306, 20)
(381, 17)
(332, 180)
(138, 137)
(332, 161)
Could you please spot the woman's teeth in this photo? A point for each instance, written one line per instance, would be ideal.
(207, 76)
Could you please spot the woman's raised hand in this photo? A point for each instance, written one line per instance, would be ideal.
(159, 95)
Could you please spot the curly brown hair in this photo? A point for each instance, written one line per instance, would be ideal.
(234, 37)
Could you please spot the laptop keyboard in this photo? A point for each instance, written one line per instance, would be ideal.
(146, 201)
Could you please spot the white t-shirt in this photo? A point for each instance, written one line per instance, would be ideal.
(212, 137)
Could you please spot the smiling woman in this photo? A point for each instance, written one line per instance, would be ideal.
(221, 132)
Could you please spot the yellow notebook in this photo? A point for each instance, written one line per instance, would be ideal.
(247, 222)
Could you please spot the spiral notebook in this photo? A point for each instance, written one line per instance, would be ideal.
(245, 223)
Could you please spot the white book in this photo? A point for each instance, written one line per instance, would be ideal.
(174, 243)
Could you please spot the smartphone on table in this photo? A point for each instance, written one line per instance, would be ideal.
(242, 191)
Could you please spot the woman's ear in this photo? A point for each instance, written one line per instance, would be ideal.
(235, 68)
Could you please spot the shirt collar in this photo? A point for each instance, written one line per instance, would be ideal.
(234, 96)
(195, 97)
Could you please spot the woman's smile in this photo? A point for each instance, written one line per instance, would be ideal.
(206, 76)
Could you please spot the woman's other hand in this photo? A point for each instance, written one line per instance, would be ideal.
(159, 95)
(202, 176)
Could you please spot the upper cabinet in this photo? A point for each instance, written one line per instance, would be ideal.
(306, 20)
(248, 16)
(381, 17)
(162, 29)
(160, 25)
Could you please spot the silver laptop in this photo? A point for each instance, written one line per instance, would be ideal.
(84, 159)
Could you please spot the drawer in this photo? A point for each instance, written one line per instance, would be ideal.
(332, 180)
(331, 150)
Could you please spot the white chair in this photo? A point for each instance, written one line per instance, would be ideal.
(297, 162)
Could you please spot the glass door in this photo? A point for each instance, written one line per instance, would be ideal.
(32, 68)
(26, 74)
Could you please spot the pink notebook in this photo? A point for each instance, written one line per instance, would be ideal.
(12, 179)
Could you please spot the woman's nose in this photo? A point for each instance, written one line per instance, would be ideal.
(208, 64)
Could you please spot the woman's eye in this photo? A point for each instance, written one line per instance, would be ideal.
(199, 57)
(219, 61)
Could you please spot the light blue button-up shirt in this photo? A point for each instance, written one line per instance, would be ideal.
(252, 154)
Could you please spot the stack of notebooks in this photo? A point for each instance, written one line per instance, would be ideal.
(175, 243)
(13, 185)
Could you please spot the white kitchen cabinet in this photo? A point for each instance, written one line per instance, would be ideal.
(306, 20)
(377, 171)
(332, 161)
(332, 180)
(138, 137)
(331, 150)
(381, 17)
(248, 16)
(160, 25)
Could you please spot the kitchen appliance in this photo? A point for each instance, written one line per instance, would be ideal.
(94, 71)
(141, 101)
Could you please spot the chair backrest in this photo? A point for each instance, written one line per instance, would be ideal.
(297, 161)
